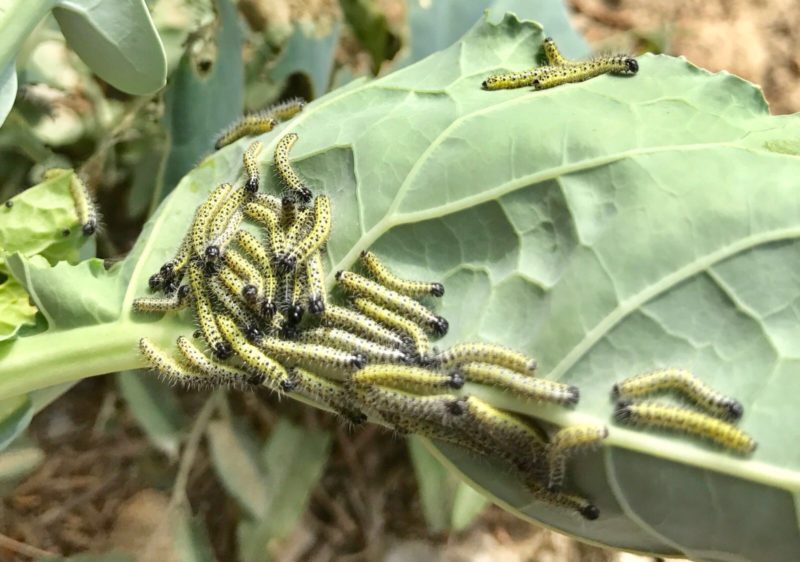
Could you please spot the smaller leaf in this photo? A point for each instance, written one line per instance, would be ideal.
(117, 40)
(468, 504)
(155, 407)
(192, 543)
(294, 458)
(15, 310)
(237, 467)
(437, 487)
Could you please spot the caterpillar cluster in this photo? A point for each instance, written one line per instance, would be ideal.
(715, 423)
(560, 70)
(258, 297)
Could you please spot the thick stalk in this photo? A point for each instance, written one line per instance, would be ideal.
(34, 362)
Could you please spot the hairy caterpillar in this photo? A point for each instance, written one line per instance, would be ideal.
(486, 353)
(218, 373)
(347, 319)
(686, 384)
(403, 286)
(269, 220)
(203, 216)
(542, 390)
(250, 163)
(205, 314)
(406, 377)
(315, 276)
(566, 443)
(314, 354)
(287, 109)
(439, 409)
(356, 284)
(412, 334)
(684, 420)
(341, 339)
(253, 247)
(316, 237)
(274, 373)
(236, 308)
(295, 308)
(242, 267)
(175, 302)
(290, 178)
(328, 392)
(551, 76)
(223, 216)
(85, 206)
(551, 52)
(251, 124)
(168, 368)
(172, 271)
(238, 286)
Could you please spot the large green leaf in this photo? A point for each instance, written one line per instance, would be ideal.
(606, 227)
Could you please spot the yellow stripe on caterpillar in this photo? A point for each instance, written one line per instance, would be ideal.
(686, 421)
(566, 443)
(385, 277)
(541, 390)
(359, 285)
(406, 377)
(285, 170)
(684, 383)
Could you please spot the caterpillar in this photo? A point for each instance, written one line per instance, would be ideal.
(551, 76)
(202, 217)
(439, 409)
(412, 334)
(253, 247)
(551, 52)
(238, 286)
(315, 277)
(243, 316)
(302, 220)
(242, 267)
(251, 124)
(385, 277)
(314, 354)
(218, 373)
(356, 284)
(269, 220)
(250, 163)
(271, 202)
(290, 178)
(275, 375)
(541, 390)
(565, 444)
(327, 392)
(287, 109)
(85, 206)
(405, 377)
(175, 302)
(508, 429)
(295, 309)
(224, 214)
(342, 339)
(167, 367)
(317, 236)
(347, 319)
(205, 314)
(172, 271)
(686, 384)
(486, 353)
(684, 420)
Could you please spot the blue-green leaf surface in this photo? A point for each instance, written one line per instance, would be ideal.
(606, 227)
(117, 40)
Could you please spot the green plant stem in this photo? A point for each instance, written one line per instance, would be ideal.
(34, 362)
(17, 20)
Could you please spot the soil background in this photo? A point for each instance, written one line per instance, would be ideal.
(103, 486)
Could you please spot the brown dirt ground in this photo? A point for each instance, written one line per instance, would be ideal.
(102, 484)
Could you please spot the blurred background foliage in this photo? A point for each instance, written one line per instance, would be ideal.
(129, 466)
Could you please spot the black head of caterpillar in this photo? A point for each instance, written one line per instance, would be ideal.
(294, 314)
(155, 282)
